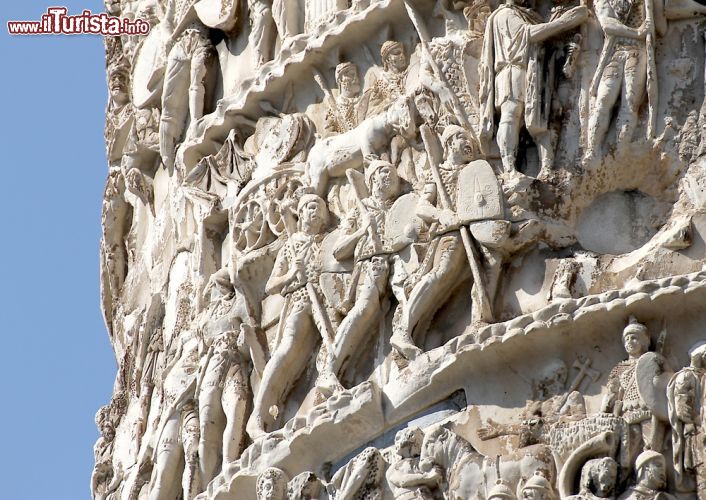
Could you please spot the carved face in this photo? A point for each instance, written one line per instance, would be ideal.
(408, 443)
(606, 475)
(385, 182)
(396, 60)
(312, 216)
(349, 82)
(635, 344)
(271, 486)
(118, 88)
(482, 18)
(460, 148)
(535, 494)
(653, 474)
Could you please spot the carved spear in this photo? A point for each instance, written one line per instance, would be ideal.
(486, 313)
(652, 91)
(424, 38)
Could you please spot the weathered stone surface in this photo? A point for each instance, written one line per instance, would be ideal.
(405, 249)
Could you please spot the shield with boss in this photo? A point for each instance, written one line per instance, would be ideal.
(403, 221)
(478, 196)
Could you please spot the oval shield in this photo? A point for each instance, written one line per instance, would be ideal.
(402, 219)
(328, 261)
(652, 379)
(479, 195)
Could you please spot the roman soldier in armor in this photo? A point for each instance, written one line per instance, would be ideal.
(350, 107)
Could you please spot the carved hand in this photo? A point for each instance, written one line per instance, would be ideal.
(492, 430)
(644, 29)
(448, 218)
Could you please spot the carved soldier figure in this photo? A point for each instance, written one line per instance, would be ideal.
(390, 85)
(142, 145)
(104, 480)
(175, 453)
(305, 486)
(511, 75)
(271, 485)
(445, 253)
(622, 67)
(477, 15)
(445, 264)
(538, 487)
(686, 394)
(296, 276)
(376, 262)
(624, 384)
(651, 478)
(454, 56)
(262, 35)
(501, 491)
(598, 478)
(180, 434)
(115, 224)
(404, 476)
(119, 108)
(188, 50)
(148, 381)
(223, 397)
(558, 93)
(349, 107)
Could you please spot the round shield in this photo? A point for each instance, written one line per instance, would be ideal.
(218, 14)
(279, 141)
(652, 379)
(479, 195)
(402, 219)
(329, 263)
(148, 70)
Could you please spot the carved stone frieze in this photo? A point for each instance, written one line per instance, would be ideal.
(405, 249)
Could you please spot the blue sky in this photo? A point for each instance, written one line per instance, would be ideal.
(57, 363)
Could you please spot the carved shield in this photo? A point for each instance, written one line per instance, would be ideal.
(279, 138)
(402, 218)
(328, 261)
(652, 379)
(148, 71)
(218, 14)
(479, 195)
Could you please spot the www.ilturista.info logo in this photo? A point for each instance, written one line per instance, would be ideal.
(56, 21)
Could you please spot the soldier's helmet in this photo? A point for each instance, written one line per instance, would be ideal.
(501, 490)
